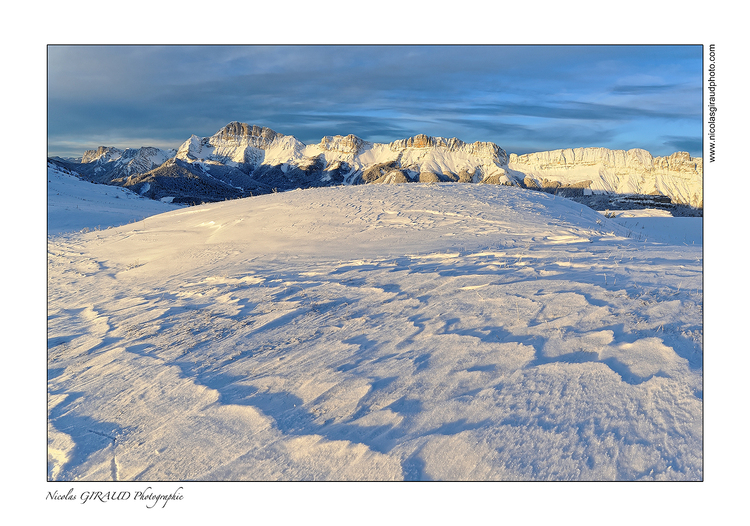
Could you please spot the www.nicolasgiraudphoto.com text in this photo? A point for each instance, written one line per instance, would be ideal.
(712, 102)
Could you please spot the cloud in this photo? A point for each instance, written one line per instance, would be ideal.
(692, 145)
(660, 88)
(380, 93)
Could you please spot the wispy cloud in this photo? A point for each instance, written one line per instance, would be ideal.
(512, 95)
(684, 144)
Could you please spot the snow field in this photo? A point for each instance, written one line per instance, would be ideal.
(410, 332)
(658, 225)
(74, 204)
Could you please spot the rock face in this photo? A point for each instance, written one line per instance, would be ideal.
(242, 159)
(349, 144)
(112, 165)
(135, 161)
(678, 176)
(282, 162)
(437, 159)
(487, 150)
(237, 144)
(238, 131)
(635, 161)
(102, 154)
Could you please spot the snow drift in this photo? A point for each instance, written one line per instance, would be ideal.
(74, 204)
(376, 332)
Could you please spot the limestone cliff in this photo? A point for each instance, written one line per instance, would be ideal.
(251, 159)
(678, 176)
(101, 154)
(480, 149)
(237, 144)
(337, 143)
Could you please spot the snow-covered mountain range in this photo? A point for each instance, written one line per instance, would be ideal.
(241, 160)
(113, 166)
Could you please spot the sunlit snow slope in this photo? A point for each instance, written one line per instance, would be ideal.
(378, 332)
(74, 204)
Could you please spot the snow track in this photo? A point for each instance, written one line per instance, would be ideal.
(411, 332)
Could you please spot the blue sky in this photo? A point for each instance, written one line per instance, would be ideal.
(523, 98)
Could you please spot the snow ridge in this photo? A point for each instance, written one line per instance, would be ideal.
(74, 204)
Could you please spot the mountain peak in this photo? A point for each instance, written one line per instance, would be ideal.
(237, 129)
(102, 154)
(481, 149)
(345, 144)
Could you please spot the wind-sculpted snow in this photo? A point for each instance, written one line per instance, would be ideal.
(74, 204)
(410, 332)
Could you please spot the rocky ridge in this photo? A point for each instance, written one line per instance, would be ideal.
(481, 149)
(109, 165)
(337, 143)
(241, 160)
(102, 154)
(600, 170)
